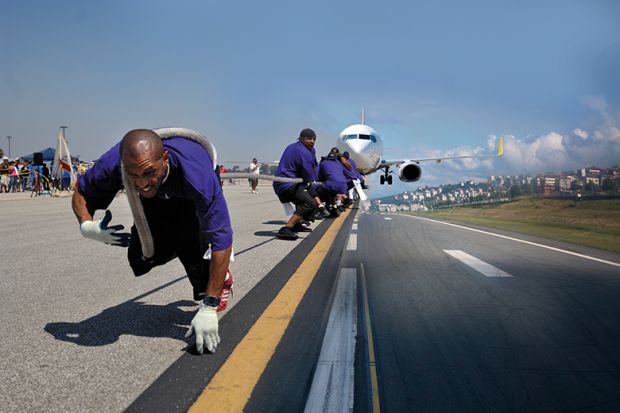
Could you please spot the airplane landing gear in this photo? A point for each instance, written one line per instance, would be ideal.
(386, 177)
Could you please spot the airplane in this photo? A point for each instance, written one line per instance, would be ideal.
(365, 146)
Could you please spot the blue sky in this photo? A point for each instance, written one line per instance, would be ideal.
(436, 79)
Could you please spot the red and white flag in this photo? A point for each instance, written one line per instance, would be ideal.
(62, 159)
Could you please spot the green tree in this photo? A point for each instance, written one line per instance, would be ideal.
(515, 191)
(608, 185)
(589, 188)
(1, 153)
(526, 189)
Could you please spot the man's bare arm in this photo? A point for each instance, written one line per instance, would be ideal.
(80, 208)
(217, 271)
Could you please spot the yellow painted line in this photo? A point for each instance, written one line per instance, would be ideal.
(374, 382)
(232, 385)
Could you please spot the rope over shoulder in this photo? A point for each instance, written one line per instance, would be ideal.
(139, 218)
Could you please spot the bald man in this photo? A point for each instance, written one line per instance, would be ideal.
(186, 213)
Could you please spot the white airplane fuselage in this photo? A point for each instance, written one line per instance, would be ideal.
(364, 145)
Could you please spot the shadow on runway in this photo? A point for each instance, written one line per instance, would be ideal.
(254, 246)
(266, 233)
(281, 222)
(131, 318)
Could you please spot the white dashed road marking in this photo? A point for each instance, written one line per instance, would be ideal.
(482, 267)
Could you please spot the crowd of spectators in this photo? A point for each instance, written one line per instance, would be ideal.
(20, 175)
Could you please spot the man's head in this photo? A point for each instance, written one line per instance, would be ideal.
(145, 160)
(345, 154)
(254, 160)
(307, 137)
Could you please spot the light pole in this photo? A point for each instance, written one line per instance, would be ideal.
(9, 138)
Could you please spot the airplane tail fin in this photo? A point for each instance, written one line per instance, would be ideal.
(363, 115)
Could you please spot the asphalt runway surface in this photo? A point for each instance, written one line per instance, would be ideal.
(535, 330)
(79, 331)
(448, 319)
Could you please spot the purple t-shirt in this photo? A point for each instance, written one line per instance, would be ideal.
(191, 177)
(331, 173)
(353, 173)
(297, 161)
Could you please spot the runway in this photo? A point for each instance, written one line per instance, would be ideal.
(443, 318)
(534, 330)
(79, 331)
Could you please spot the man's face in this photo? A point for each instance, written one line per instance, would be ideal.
(308, 142)
(146, 172)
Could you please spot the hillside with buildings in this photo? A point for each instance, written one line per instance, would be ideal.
(584, 183)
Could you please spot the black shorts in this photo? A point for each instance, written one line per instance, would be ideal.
(176, 233)
(325, 194)
(299, 195)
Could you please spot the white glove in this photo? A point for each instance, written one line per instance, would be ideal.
(358, 188)
(205, 325)
(99, 231)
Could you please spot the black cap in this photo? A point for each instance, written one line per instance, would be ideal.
(307, 133)
(346, 154)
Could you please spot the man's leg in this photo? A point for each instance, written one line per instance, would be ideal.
(190, 247)
(157, 212)
(304, 208)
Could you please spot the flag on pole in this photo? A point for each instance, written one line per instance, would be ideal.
(62, 160)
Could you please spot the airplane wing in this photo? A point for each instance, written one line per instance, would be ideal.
(500, 152)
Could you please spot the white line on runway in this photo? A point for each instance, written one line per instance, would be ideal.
(615, 264)
(354, 227)
(332, 385)
(352, 243)
(388, 219)
(482, 267)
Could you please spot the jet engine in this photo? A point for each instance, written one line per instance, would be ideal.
(409, 172)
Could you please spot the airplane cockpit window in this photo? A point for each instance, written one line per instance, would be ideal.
(364, 136)
(347, 137)
(373, 138)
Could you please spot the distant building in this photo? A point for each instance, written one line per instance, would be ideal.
(549, 183)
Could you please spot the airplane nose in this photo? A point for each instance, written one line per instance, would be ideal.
(357, 145)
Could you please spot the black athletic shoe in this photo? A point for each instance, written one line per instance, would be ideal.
(322, 213)
(335, 213)
(287, 234)
(301, 228)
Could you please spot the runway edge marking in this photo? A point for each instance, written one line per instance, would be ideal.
(332, 384)
(576, 254)
(372, 363)
(229, 391)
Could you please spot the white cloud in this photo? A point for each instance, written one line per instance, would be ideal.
(550, 152)
(580, 133)
(597, 103)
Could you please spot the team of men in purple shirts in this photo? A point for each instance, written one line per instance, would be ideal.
(187, 214)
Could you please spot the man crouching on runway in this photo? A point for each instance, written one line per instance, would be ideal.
(185, 209)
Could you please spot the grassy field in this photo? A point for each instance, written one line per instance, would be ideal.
(590, 223)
